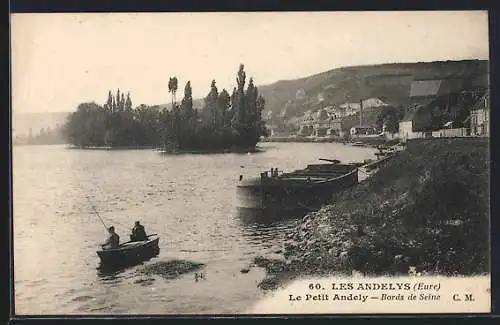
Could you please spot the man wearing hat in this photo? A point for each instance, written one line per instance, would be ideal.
(138, 232)
(113, 240)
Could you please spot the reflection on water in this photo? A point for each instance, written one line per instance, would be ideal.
(250, 216)
(189, 200)
(110, 275)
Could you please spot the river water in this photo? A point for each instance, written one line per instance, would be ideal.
(189, 200)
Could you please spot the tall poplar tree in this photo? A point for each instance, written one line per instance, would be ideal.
(172, 88)
(223, 105)
(250, 104)
(128, 103)
(118, 100)
(240, 80)
(122, 102)
(187, 107)
(211, 106)
(109, 103)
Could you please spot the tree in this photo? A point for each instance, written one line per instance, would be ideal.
(223, 105)
(86, 127)
(234, 120)
(251, 104)
(128, 103)
(210, 110)
(234, 108)
(187, 107)
(187, 101)
(390, 117)
(172, 88)
(260, 105)
(109, 103)
(240, 99)
(118, 101)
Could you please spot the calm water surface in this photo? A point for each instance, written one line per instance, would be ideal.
(189, 200)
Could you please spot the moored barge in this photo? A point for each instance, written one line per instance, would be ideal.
(297, 191)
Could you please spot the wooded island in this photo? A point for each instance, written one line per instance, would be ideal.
(225, 123)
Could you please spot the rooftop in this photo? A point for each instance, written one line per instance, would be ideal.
(416, 107)
(482, 102)
(424, 88)
(434, 87)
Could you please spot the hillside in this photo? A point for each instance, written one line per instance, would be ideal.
(389, 82)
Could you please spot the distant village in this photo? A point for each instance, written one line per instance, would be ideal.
(433, 108)
(44, 136)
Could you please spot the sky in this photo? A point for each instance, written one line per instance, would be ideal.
(61, 60)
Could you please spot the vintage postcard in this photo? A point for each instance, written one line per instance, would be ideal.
(251, 163)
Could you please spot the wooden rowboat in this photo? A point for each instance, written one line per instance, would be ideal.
(130, 252)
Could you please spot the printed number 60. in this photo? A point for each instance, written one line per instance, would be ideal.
(314, 286)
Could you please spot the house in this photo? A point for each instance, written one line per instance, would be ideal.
(417, 121)
(446, 92)
(480, 117)
(350, 108)
(335, 128)
(363, 130)
(324, 122)
(305, 123)
(335, 112)
(450, 129)
(320, 124)
(373, 102)
(435, 102)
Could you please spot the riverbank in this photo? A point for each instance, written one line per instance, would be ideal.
(369, 141)
(426, 211)
(112, 148)
(170, 152)
(212, 151)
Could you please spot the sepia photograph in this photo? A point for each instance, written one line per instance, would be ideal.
(250, 163)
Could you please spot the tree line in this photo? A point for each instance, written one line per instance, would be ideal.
(224, 122)
(45, 136)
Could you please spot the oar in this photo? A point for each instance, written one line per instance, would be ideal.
(334, 161)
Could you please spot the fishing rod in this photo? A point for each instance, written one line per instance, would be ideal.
(96, 213)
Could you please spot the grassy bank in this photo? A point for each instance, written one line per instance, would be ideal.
(427, 210)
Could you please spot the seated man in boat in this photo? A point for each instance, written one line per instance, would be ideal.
(138, 232)
(113, 240)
